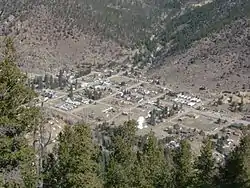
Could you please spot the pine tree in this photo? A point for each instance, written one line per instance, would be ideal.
(76, 85)
(46, 81)
(236, 172)
(60, 79)
(51, 82)
(71, 92)
(76, 160)
(40, 82)
(33, 85)
(154, 166)
(153, 117)
(183, 165)
(140, 180)
(122, 158)
(49, 171)
(205, 166)
(18, 117)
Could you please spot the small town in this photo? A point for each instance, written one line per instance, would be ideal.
(113, 97)
(124, 93)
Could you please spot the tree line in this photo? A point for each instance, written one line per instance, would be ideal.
(101, 158)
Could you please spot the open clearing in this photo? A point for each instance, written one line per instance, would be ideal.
(118, 103)
(97, 112)
(197, 121)
(122, 80)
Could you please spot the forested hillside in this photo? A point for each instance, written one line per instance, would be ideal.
(207, 46)
(103, 157)
(178, 33)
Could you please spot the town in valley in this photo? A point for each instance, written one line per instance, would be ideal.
(110, 97)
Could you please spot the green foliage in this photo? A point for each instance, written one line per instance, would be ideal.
(182, 30)
(152, 166)
(133, 166)
(183, 165)
(18, 117)
(123, 157)
(46, 81)
(236, 172)
(16, 154)
(14, 93)
(75, 162)
(139, 162)
(199, 22)
(205, 166)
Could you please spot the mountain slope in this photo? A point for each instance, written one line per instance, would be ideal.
(207, 46)
(190, 42)
(76, 32)
(218, 62)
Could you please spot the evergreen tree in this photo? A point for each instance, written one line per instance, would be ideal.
(76, 160)
(96, 95)
(40, 82)
(71, 92)
(236, 172)
(153, 117)
(76, 85)
(18, 117)
(60, 79)
(33, 85)
(49, 171)
(183, 165)
(140, 180)
(122, 158)
(205, 166)
(154, 166)
(46, 81)
(51, 82)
